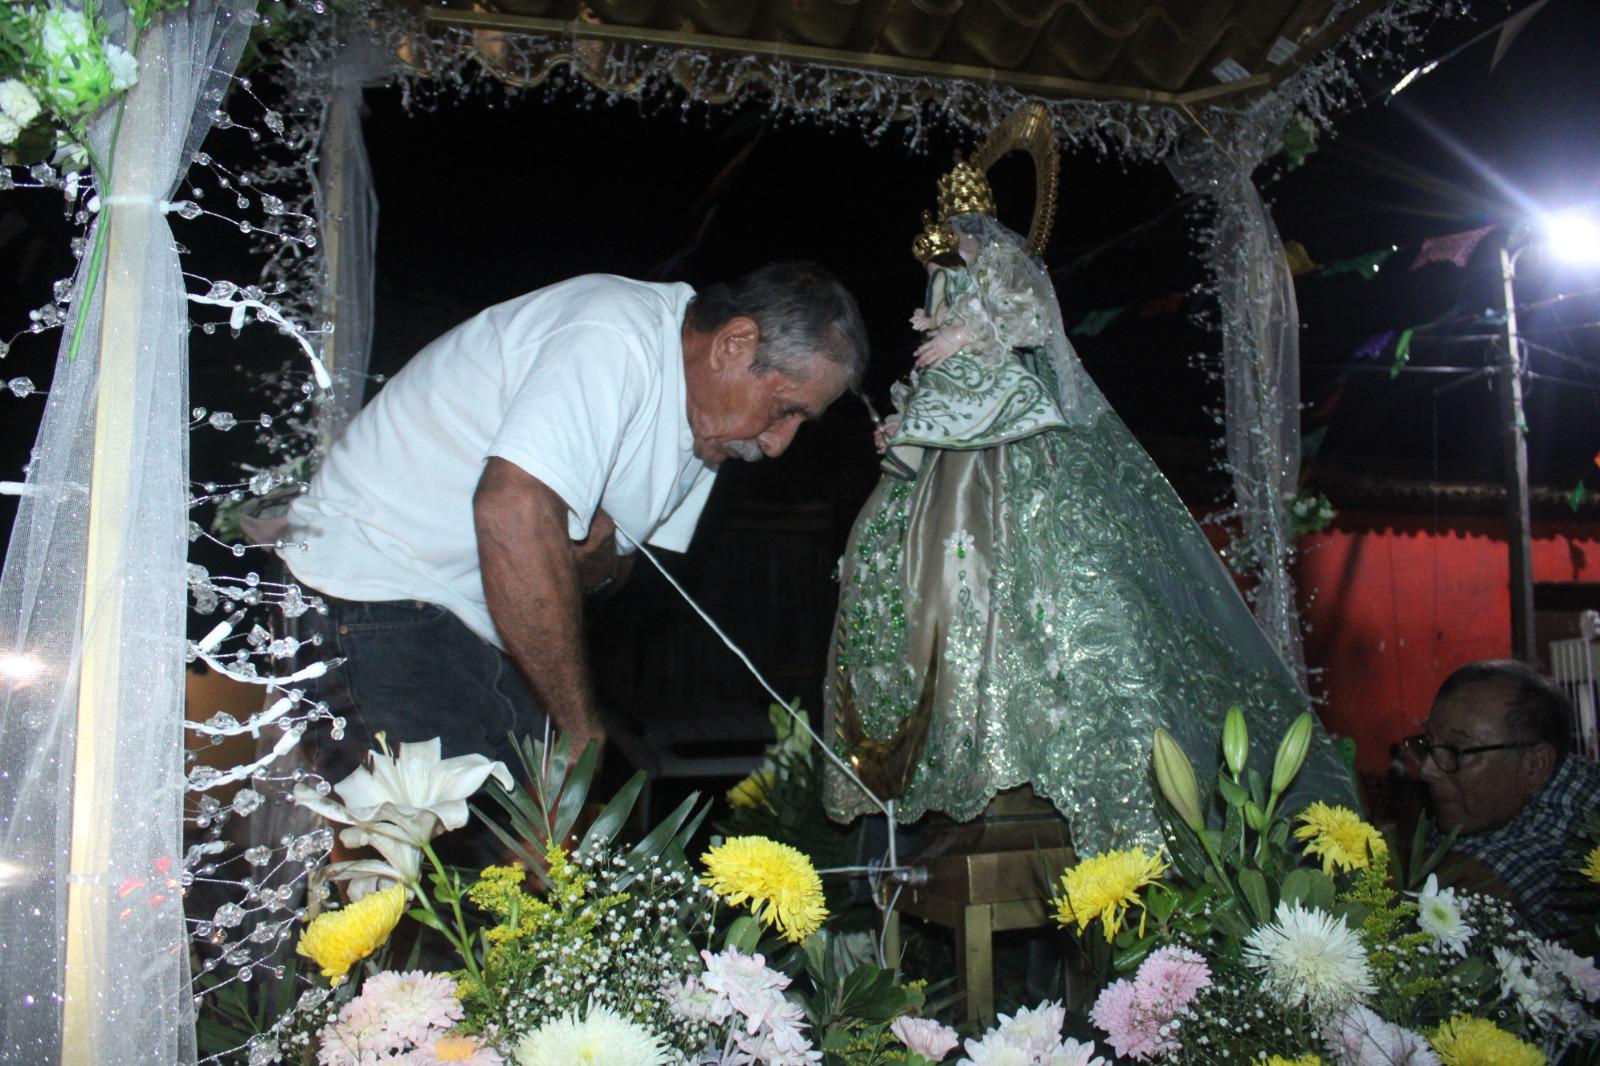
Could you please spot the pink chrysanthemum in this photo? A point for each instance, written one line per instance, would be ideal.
(1169, 980)
(1132, 1031)
(360, 1034)
(414, 1005)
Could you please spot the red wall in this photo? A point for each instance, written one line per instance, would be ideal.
(1393, 602)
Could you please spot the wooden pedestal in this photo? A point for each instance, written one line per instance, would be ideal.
(987, 876)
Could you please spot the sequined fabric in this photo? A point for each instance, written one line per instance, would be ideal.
(1079, 607)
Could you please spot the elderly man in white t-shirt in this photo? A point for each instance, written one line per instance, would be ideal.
(457, 522)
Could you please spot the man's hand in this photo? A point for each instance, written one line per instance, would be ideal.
(531, 580)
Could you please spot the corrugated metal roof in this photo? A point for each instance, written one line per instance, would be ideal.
(1163, 51)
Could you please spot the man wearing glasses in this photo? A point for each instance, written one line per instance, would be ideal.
(1495, 755)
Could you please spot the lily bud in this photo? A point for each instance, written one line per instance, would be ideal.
(1175, 777)
(1235, 741)
(1291, 753)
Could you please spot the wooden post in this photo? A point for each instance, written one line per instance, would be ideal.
(86, 1035)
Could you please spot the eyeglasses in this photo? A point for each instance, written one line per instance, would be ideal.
(1447, 757)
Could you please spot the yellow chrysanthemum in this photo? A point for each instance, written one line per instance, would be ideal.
(1591, 866)
(1468, 1041)
(1303, 1060)
(752, 791)
(1105, 887)
(779, 883)
(1339, 837)
(337, 940)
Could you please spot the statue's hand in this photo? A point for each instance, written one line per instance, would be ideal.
(944, 343)
(888, 428)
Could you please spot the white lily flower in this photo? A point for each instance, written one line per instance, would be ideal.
(366, 876)
(398, 803)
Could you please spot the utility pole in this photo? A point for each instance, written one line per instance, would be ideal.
(1519, 532)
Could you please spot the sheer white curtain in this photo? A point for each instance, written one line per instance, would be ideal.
(347, 214)
(1260, 323)
(93, 947)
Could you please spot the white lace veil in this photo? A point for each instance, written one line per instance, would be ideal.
(1006, 255)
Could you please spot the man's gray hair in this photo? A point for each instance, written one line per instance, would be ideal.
(1536, 711)
(802, 310)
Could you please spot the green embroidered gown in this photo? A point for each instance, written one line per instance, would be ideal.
(1078, 604)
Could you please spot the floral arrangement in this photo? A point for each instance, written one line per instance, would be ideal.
(59, 66)
(583, 950)
(1300, 938)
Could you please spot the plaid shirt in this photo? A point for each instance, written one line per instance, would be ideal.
(1532, 851)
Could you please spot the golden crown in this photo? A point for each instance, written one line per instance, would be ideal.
(963, 191)
(936, 241)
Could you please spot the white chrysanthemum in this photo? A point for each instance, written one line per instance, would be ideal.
(1035, 1030)
(992, 1050)
(1518, 985)
(63, 32)
(1579, 973)
(17, 102)
(8, 129)
(602, 1038)
(1310, 958)
(1439, 916)
(123, 66)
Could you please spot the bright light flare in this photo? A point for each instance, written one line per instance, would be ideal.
(1573, 235)
(15, 666)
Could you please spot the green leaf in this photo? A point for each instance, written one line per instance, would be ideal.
(816, 948)
(1129, 959)
(1254, 887)
(530, 862)
(836, 1041)
(743, 934)
(1160, 905)
(1233, 793)
(1352, 913)
(1258, 788)
(609, 822)
(423, 916)
(1322, 891)
(1229, 921)
(667, 839)
(870, 994)
(574, 793)
(1296, 886)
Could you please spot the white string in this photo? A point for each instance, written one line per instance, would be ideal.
(875, 873)
(887, 807)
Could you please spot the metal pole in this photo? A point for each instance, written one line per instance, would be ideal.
(1519, 532)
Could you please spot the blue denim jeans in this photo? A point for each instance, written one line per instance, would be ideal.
(414, 671)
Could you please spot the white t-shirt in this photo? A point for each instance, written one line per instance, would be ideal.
(580, 384)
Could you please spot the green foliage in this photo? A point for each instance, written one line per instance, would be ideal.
(544, 811)
(850, 1007)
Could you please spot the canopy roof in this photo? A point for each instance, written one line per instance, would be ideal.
(1173, 52)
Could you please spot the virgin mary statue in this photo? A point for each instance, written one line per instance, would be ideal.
(1024, 598)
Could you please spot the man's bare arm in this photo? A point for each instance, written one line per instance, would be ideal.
(531, 581)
